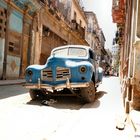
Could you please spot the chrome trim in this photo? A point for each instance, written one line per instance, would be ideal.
(57, 87)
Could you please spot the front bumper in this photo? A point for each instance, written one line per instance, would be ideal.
(56, 87)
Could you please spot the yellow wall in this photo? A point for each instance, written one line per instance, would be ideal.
(75, 8)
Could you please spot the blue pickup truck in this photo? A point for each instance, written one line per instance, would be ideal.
(69, 68)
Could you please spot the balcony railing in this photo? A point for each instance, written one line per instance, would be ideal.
(89, 30)
(92, 31)
(115, 4)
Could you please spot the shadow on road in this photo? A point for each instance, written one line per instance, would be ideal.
(59, 102)
(67, 102)
(11, 90)
(97, 102)
(99, 94)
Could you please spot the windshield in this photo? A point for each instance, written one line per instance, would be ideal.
(71, 51)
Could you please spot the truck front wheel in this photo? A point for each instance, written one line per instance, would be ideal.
(88, 93)
(36, 94)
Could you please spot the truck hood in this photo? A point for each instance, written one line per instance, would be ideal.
(37, 67)
(66, 62)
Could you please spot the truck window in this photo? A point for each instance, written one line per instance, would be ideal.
(91, 54)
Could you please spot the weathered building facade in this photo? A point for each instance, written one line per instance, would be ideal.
(63, 22)
(92, 33)
(127, 16)
(30, 29)
(96, 39)
(115, 58)
(15, 25)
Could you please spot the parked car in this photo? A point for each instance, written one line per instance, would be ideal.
(69, 68)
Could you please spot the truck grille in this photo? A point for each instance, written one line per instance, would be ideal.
(47, 75)
(61, 74)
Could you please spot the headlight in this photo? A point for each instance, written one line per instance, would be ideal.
(29, 72)
(83, 69)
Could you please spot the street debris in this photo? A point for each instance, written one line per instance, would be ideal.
(48, 102)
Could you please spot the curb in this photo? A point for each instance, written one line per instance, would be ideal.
(6, 83)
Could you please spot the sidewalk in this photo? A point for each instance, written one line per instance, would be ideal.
(135, 116)
(12, 82)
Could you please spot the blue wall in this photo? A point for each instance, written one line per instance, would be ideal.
(3, 4)
(15, 22)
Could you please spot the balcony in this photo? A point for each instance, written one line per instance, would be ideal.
(27, 5)
(89, 30)
(115, 4)
(42, 2)
(94, 32)
(118, 11)
(81, 31)
(77, 28)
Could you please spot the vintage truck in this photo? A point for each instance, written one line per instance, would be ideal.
(69, 69)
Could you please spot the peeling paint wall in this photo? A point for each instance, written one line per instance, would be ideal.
(13, 65)
(14, 45)
(16, 23)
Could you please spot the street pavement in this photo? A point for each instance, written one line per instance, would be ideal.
(93, 121)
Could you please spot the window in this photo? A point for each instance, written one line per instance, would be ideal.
(91, 54)
(71, 51)
(75, 16)
(80, 23)
(1, 13)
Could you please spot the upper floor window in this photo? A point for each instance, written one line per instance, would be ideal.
(80, 23)
(91, 54)
(75, 16)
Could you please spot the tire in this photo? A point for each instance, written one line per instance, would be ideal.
(88, 93)
(36, 94)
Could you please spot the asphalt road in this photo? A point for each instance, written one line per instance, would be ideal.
(66, 119)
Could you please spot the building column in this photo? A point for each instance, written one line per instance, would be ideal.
(6, 41)
(22, 40)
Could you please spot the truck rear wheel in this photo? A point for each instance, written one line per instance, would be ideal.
(88, 93)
